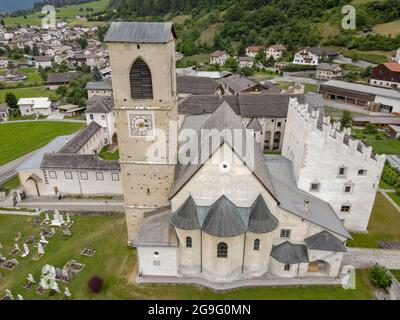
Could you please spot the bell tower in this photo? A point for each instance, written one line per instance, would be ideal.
(142, 58)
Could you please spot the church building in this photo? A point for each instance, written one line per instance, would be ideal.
(227, 212)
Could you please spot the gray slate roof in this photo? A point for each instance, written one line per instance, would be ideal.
(99, 85)
(156, 231)
(261, 219)
(223, 120)
(239, 83)
(254, 124)
(290, 253)
(186, 216)
(263, 105)
(3, 107)
(223, 219)
(325, 241)
(64, 77)
(327, 66)
(196, 85)
(78, 161)
(140, 32)
(100, 104)
(292, 198)
(81, 138)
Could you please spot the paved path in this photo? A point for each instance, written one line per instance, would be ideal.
(259, 282)
(341, 59)
(51, 203)
(362, 258)
(56, 115)
(352, 108)
(7, 170)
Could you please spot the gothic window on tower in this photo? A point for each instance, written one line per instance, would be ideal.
(140, 79)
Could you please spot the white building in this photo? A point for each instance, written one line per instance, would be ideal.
(218, 57)
(313, 56)
(4, 112)
(252, 51)
(100, 110)
(332, 166)
(3, 62)
(35, 106)
(99, 88)
(275, 51)
(42, 61)
(397, 57)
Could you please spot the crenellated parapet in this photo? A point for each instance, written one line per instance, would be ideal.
(325, 128)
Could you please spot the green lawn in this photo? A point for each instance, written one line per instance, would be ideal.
(384, 185)
(69, 13)
(394, 197)
(28, 92)
(383, 225)
(362, 135)
(384, 146)
(362, 55)
(11, 184)
(107, 155)
(17, 139)
(116, 264)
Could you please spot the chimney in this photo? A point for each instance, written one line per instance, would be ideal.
(306, 205)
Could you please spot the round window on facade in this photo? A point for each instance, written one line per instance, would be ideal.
(224, 167)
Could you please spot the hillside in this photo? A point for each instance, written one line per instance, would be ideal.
(205, 25)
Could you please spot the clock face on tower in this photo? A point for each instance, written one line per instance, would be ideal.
(141, 124)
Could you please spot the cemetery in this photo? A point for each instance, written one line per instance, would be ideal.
(96, 245)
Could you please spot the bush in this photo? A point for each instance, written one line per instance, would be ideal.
(379, 276)
(370, 128)
(95, 284)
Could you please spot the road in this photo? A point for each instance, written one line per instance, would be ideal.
(7, 170)
(360, 63)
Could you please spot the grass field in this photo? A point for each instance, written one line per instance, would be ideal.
(17, 139)
(394, 197)
(107, 155)
(372, 57)
(116, 264)
(68, 13)
(390, 28)
(28, 92)
(384, 146)
(383, 225)
(11, 184)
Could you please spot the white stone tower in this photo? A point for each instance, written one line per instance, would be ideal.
(142, 58)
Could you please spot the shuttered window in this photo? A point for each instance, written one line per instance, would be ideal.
(140, 78)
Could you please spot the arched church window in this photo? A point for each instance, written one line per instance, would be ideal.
(222, 250)
(140, 80)
(188, 242)
(256, 246)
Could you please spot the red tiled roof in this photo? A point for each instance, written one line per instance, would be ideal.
(392, 66)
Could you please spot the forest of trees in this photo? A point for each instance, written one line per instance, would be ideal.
(247, 22)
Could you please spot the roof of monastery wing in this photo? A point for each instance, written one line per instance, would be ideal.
(325, 241)
(140, 32)
(262, 105)
(224, 119)
(223, 219)
(157, 231)
(261, 219)
(254, 124)
(186, 217)
(290, 253)
(100, 104)
(292, 198)
(81, 138)
(78, 161)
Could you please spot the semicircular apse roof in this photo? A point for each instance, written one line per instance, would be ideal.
(261, 219)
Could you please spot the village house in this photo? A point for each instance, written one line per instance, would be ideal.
(218, 57)
(328, 71)
(246, 62)
(276, 51)
(397, 56)
(313, 56)
(252, 51)
(236, 84)
(42, 61)
(3, 62)
(386, 75)
(192, 85)
(54, 80)
(99, 88)
(35, 106)
(4, 112)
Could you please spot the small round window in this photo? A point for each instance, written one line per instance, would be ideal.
(156, 254)
(224, 167)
